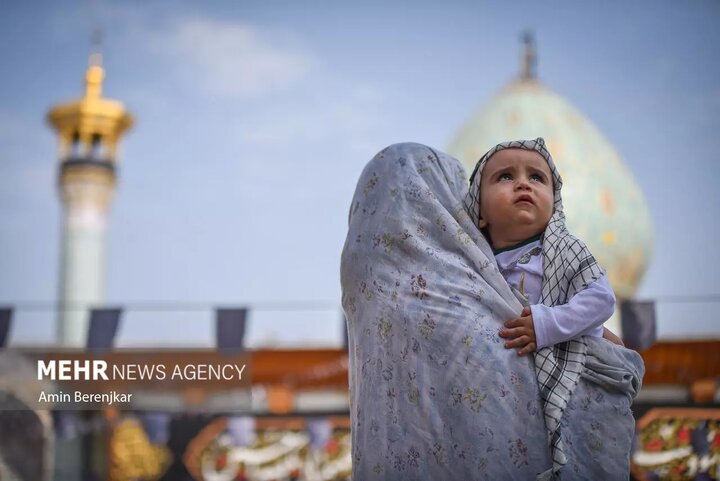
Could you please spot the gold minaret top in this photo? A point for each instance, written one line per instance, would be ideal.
(89, 130)
(91, 126)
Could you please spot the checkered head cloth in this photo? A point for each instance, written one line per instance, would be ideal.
(568, 267)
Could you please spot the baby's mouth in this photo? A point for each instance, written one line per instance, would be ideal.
(524, 198)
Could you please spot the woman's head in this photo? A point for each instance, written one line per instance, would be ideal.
(414, 177)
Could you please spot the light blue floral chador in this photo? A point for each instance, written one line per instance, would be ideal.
(434, 393)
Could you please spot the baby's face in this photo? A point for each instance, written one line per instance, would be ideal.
(516, 196)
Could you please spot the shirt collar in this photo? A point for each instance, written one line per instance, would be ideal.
(519, 244)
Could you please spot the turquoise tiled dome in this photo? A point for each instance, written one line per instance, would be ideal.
(603, 204)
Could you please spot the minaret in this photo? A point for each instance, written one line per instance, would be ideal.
(89, 130)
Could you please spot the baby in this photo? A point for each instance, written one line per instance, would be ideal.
(515, 197)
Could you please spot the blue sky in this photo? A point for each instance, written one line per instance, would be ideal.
(255, 119)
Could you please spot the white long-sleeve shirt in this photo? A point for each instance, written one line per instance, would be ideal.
(583, 315)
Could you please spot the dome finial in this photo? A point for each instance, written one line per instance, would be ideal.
(95, 73)
(96, 48)
(528, 65)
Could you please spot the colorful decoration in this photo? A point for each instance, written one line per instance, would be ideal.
(678, 445)
(275, 455)
(132, 456)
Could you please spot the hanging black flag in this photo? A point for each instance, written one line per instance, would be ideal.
(103, 326)
(638, 324)
(5, 318)
(230, 329)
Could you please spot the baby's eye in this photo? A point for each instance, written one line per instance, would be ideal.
(505, 176)
(537, 177)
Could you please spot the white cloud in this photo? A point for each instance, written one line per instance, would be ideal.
(231, 59)
(221, 57)
(351, 112)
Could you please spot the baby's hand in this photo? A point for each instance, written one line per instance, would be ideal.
(521, 334)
